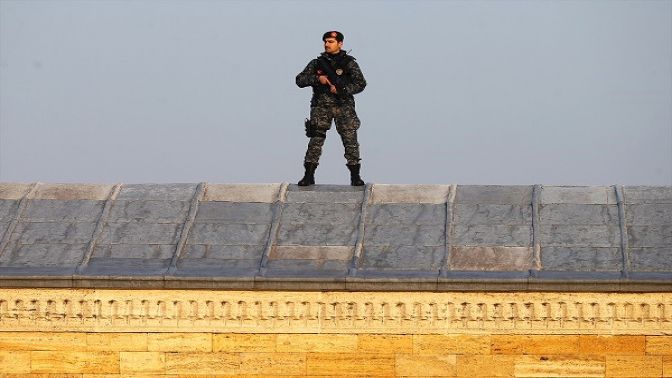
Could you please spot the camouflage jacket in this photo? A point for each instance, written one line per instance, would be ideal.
(354, 80)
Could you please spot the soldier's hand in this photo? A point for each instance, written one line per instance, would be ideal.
(324, 80)
(332, 89)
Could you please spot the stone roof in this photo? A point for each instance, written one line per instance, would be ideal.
(327, 237)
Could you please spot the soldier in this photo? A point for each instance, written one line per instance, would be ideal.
(335, 77)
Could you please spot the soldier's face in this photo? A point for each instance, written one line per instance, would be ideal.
(332, 46)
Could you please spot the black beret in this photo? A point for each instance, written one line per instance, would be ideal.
(333, 34)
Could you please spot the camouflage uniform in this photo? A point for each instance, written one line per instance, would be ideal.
(326, 106)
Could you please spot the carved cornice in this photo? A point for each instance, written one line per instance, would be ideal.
(333, 312)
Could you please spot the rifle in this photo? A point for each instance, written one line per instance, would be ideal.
(335, 80)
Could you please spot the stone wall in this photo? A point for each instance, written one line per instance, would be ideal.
(96, 333)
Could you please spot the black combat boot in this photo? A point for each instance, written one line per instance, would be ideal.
(308, 177)
(355, 180)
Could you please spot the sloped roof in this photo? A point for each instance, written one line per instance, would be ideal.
(327, 237)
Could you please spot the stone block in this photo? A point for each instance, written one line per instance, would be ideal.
(580, 235)
(4, 227)
(535, 344)
(657, 259)
(262, 193)
(140, 233)
(346, 364)
(62, 211)
(74, 362)
(405, 235)
(13, 191)
(316, 343)
(413, 194)
(179, 342)
(485, 366)
(494, 194)
(229, 212)
(8, 210)
(160, 192)
(582, 259)
(307, 268)
(414, 214)
(276, 364)
(370, 343)
(127, 267)
(492, 235)
(207, 267)
(292, 252)
(221, 252)
(648, 214)
(229, 234)
(149, 211)
(439, 365)
(341, 236)
(402, 257)
(492, 214)
(451, 344)
(53, 232)
(620, 345)
(647, 194)
(325, 193)
(321, 213)
(575, 214)
(203, 363)
(243, 342)
(110, 342)
(72, 192)
(15, 362)
(559, 366)
(650, 236)
(634, 366)
(578, 195)
(667, 366)
(491, 258)
(659, 345)
(134, 251)
(317, 234)
(142, 362)
(43, 255)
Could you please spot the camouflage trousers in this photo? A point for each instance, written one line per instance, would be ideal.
(347, 124)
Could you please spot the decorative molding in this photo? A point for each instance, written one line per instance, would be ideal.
(333, 312)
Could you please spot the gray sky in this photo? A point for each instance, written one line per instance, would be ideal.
(478, 92)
